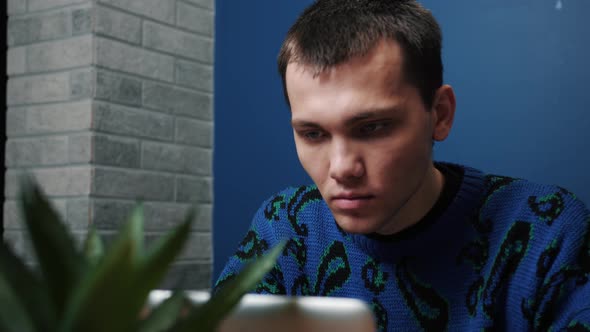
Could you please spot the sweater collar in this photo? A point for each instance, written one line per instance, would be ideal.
(464, 205)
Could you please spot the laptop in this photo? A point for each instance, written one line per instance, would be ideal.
(266, 313)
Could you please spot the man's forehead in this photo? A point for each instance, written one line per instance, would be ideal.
(386, 56)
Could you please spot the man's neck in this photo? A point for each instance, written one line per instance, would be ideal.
(419, 203)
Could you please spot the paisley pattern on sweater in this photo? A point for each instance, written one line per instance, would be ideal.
(333, 271)
(512, 251)
(547, 208)
(429, 307)
(540, 310)
(273, 283)
(380, 313)
(495, 183)
(578, 327)
(302, 197)
(296, 249)
(252, 246)
(506, 254)
(271, 212)
(374, 277)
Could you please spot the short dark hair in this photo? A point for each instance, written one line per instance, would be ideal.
(331, 32)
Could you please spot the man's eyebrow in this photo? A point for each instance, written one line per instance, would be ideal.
(377, 113)
(303, 123)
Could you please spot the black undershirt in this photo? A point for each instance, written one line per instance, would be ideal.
(453, 178)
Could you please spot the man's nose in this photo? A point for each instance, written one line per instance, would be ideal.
(346, 163)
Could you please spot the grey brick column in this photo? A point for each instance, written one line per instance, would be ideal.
(110, 101)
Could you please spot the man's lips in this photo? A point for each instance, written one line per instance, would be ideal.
(351, 201)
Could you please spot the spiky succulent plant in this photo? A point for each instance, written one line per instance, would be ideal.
(93, 289)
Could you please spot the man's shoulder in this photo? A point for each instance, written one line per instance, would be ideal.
(529, 200)
(514, 188)
(504, 198)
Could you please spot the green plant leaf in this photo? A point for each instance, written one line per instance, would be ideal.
(156, 262)
(28, 288)
(93, 247)
(61, 264)
(119, 286)
(165, 315)
(208, 316)
(153, 266)
(13, 315)
(98, 302)
(134, 232)
(107, 289)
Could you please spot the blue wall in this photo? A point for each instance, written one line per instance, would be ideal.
(518, 68)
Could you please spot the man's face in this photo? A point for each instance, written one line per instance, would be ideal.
(365, 138)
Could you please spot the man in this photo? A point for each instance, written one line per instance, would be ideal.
(429, 245)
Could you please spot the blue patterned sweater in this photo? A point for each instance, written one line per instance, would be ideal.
(506, 254)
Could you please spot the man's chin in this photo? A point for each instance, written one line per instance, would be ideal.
(356, 225)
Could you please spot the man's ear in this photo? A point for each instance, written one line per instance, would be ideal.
(443, 109)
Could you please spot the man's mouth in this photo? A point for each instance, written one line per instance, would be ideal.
(351, 201)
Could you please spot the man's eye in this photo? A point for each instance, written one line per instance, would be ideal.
(312, 135)
(372, 128)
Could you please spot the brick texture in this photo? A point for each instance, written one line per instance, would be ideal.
(177, 101)
(16, 60)
(111, 101)
(203, 3)
(115, 24)
(133, 184)
(160, 10)
(81, 21)
(194, 189)
(166, 39)
(43, 151)
(49, 119)
(194, 132)
(194, 75)
(195, 19)
(134, 60)
(58, 55)
(35, 5)
(179, 159)
(118, 88)
(131, 121)
(32, 29)
(16, 7)
(38, 89)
